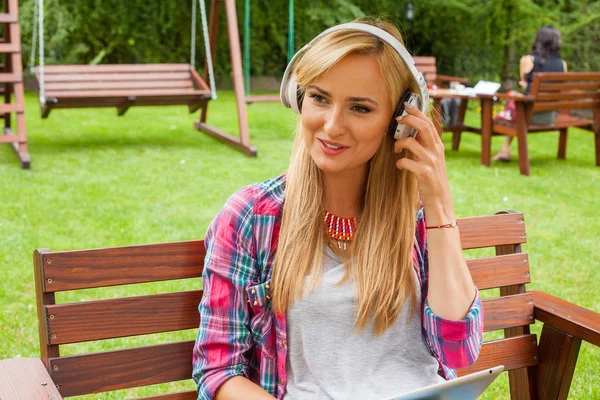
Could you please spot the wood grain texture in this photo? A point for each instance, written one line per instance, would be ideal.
(101, 372)
(117, 77)
(500, 271)
(190, 395)
(521, 380)
(120, 68)
(513, 353)
(558, 356)
(508, 312)
(24, 379)
(81, 269)
(130, 316)
(567, 317)
(488, 231)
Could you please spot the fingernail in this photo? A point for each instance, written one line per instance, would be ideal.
(408, 106)
(398, 118)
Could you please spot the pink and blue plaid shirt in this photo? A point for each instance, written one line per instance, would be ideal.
(240, 334)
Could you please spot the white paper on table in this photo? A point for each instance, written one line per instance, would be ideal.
(486, 87)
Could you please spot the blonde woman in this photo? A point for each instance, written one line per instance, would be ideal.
(328, 282)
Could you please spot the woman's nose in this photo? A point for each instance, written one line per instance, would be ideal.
(335, 122)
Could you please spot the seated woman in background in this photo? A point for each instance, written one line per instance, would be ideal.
(544, 57)
(344, 278)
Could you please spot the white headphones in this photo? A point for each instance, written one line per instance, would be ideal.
(292, 96)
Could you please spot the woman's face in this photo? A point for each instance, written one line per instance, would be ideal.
(345, 115)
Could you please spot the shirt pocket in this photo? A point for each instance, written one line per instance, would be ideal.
(262, 325)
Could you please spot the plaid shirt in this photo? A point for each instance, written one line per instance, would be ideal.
(240, 334)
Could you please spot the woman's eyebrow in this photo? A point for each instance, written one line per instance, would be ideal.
(356, 99)
(367, 99)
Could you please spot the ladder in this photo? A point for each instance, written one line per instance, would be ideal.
(11, 82)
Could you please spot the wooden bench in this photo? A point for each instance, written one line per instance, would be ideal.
(122, 86)
(536, 370)
(549, 91)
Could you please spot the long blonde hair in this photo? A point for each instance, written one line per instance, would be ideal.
(381, 264)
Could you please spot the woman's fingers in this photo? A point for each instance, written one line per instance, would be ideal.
(413, 146)
(416, 167)
(417, 120)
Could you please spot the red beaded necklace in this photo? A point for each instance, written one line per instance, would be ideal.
(340, 229)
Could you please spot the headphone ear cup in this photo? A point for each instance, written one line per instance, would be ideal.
(294, 96)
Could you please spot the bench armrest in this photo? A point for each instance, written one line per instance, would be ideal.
(440, 79)
(567, 317)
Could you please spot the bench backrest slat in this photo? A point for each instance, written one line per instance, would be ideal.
(560, 91)
(189, 395)
(508, 312)
(500, 271)
(130, 316)
(83, 269)
(475, 232)
(117, 77)
(427, 65)
(123, 85)
(515, 352)
(111, 68)
(122, 369)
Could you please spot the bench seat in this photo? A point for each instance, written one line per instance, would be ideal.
(121, 86)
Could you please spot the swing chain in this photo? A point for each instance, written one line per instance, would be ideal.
(193, 35)
(33, 37)
(40, 7)
(209, 63)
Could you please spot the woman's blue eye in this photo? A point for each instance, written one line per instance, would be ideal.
(361, 109)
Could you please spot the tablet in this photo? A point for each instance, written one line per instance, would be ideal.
(467, 387)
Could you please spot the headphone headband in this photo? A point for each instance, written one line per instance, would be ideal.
(288, 92)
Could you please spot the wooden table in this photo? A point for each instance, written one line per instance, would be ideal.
(26, 379)
(487, 103)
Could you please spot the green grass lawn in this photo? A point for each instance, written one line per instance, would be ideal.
(100, 180)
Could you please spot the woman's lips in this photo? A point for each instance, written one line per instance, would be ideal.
(332, 148)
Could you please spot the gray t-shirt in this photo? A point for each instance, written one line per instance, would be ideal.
(329, 359)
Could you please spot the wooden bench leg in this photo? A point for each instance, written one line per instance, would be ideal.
(122, 108)
(45, 109)
(562, 144)
(521, 127)
(558, 356)
(460, 120)
(486, 131)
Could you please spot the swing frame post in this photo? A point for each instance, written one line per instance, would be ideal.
(243, 143)
(12, 83)
(264, 98)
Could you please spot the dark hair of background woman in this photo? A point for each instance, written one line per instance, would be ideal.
(546, 44)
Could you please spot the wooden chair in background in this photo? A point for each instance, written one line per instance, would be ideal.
(550, 91)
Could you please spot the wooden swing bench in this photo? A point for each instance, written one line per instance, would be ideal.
(122, 86)
(537, 370)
